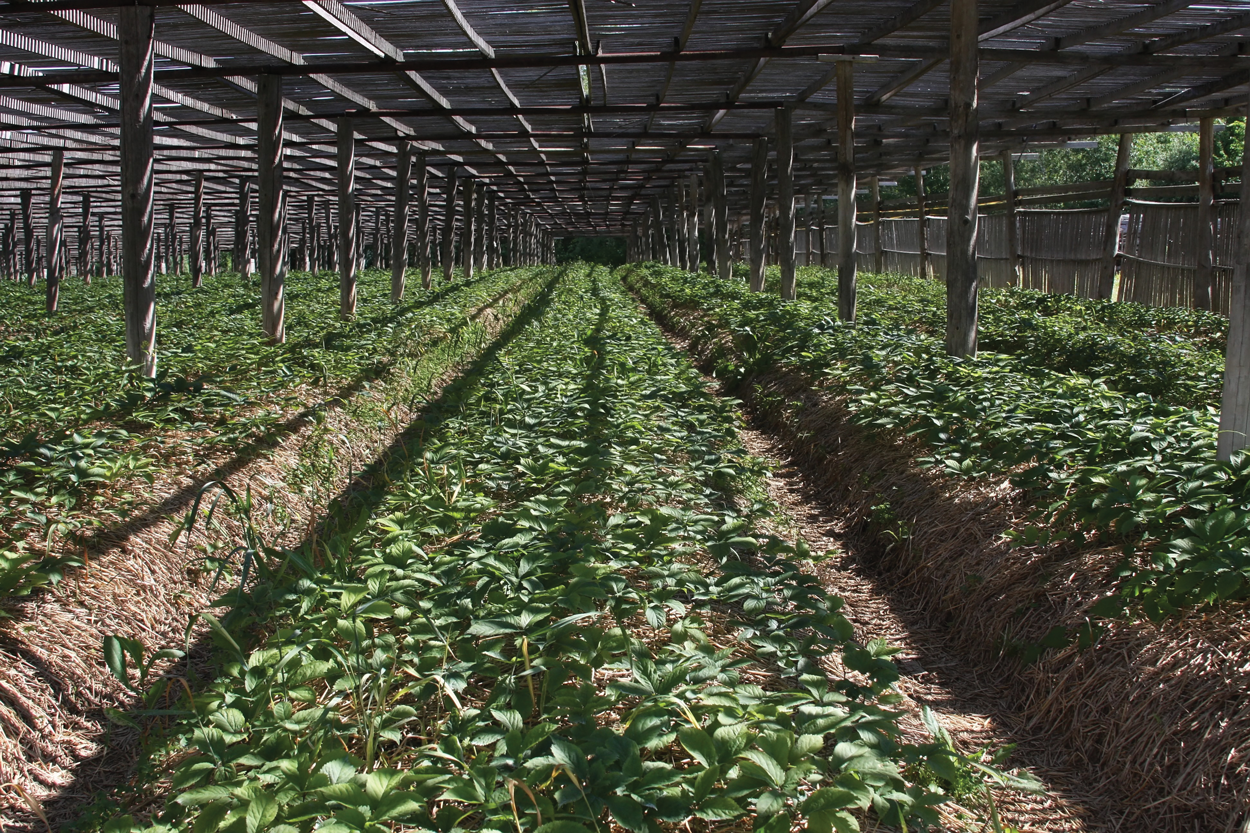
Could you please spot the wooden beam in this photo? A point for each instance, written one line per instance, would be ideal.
(271, 240)
(847, 258)
(961, 227)
(347, 217)
(1013, 230)
(1205, 272)
(1235, 402)
(135, 29)
(1110, 244)
(399, 234)
(449, 224)
(785, 200)
(197, 232)
(759, 179)
(56, 231)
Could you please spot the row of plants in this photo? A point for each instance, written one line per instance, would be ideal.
(1172, 354)
(553, 609)
(84, 435)
(1101, 467)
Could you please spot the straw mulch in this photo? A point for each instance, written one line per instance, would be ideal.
(1156, 716)
(58, 749)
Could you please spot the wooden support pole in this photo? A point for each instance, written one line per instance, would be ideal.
(422, 182)
(848, 262)
(1110, 243)
(692, 223)
(1205, 273)
(449, 224)
(785, 197)
(271, 208)
(821, 241)
(479, 226)
(469, 235)
(720, 213)
(332, 243)
(673, 228)
(197, 232)
(28, 234)
(878, 245)
(961, 225)
(1235, 405)
(242, 228)
(347, 217)
(399, 236)
(759, 180)
(56, 231)
(1013, 229)
(135, 26)
(923, 225)
(312, 255)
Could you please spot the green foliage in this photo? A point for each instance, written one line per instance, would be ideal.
(538, 618)
(83, 434)
(1102, 466)
(605, 251)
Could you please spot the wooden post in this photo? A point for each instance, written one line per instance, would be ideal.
(347, 217)
(1013, 230)
(311, 237)
(1205, 272)
(469, 241)
(134, 31)
(673, 228)
(692, 223)
(243, 228)
(1235, 405)
(271, 208)
(822, 244)
(961, 225)
(28, 234)
(848, 262)
(197, 232)
(1110, 243)
(399, 237)
(878, 250)
(423, 220)
(84, 241)
(56, 231)
(720, 217)
(479, 227)
(785, 197)
(923, 223)
(759, 180)
(449, 225)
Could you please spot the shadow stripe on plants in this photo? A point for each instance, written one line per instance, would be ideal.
(1000, 497)
(554, 613)
(52, 718)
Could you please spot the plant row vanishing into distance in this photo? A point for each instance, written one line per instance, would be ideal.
(550, 609)
(1125, 457)
(81, 435)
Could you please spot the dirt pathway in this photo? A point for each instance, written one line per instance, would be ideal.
(970, 706)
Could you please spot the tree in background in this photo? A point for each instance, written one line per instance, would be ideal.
(608, 251)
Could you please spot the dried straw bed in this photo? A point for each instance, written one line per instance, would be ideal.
(57, 747)
(1155, 718)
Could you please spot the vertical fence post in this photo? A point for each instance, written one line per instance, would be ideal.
(1110, 243)
(1013, 230)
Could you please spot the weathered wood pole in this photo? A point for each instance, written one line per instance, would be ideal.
(878, 243)
(785, 197)
(399, 236)
(332, 246)
(673, 228)
(693, 255)
(961, 225)
(84, 241)
(134, 31)
(720, 217)
(492, 226)
(422, 181)
(311, 237)
(480, 230)
(848, 261)
(28, 234)
(923, 223)
(1235, 406)
(347, 217)
(820, 231)
(56, 231)
(1205, 273)
(1013, 229)
(1111, 242)
(469, 235)
(271, 208)
(759, 180)
(449, 224)
(243, 229)
(197, 232)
